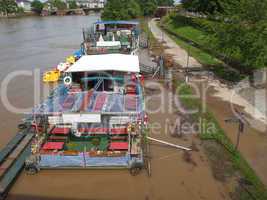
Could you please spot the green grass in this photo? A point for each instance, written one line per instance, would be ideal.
(195, 35)
(257, 189)
(185, 28)
(201, 56)
(197, 43)
(189, 33)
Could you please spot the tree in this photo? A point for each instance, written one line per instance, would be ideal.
(37, 6)
(204, 6)
(242, 33)
(121, 10)
(148, 7)
(8, 7)
(165, 2)
(72, 5)
(127, 9)
(60, 5)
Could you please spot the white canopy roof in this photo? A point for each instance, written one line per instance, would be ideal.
(108, 44)
(107, 62)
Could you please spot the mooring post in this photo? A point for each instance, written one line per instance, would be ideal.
(240, 119)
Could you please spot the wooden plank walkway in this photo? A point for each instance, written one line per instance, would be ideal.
(10, 146)
(14, 160)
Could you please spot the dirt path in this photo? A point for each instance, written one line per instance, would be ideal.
(179, 54)
(220, 100)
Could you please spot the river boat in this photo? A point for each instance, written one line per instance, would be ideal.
(112, 37)
(94, 119)
(95, 116)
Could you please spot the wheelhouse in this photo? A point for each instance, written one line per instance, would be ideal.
(112, 37)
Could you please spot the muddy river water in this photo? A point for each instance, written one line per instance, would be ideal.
(28, 44)
(33, 43)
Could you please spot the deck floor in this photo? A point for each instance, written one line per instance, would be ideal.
(87, 145)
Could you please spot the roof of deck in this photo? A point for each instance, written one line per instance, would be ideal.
(107, 62)
(118, 22)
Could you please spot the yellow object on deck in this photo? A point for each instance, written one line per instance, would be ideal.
(70, 59)
(51, 76)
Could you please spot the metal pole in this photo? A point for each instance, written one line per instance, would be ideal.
(162, 36)
(188, 53)
(169, 144)
(187, 66)
(241, 125)
(240, 130)
(237, 139)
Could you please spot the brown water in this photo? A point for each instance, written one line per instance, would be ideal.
(29, 43)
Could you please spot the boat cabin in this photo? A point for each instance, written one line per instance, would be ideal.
(112, 37)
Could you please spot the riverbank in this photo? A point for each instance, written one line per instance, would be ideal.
(18, 15)
(253, 142)
(60, 13)
(203, 35)
(224, 90)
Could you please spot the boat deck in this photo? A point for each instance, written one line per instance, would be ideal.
(63, 100)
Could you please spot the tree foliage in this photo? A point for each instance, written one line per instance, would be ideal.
(8, 6)
(165, 2)
(204, 6)
(72, 5)
(148, 6)
(242, 33)
(60, 5)
(37, 6)
(128, 9)
(121, 10)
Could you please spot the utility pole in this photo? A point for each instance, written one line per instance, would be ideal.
(187, 65)
(162, 33)
(240, 119)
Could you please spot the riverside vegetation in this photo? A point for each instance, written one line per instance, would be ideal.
(234, 32)
(130, 9)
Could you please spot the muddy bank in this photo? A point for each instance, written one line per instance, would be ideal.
(220, 102)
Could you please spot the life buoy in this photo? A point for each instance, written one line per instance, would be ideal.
(78, 134)
(67, 80)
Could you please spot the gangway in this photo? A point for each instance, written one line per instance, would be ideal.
(12, 159)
